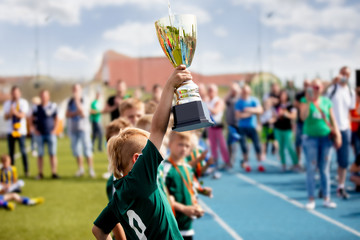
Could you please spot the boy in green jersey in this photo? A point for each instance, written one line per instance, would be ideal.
(138, 204)
(181, 183)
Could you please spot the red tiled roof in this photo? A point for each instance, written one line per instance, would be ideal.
(148, 71)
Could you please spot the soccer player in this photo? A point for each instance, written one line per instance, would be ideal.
(7, 197)
(138, 204)
(9, 181)
(181, 183)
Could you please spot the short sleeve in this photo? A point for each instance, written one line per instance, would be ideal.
(6, 106)
(107, 220)
(238, 105)
(303, 100)
(353, 100)
(25, 107)
(144, 171)
(110, 101)
(256, 102)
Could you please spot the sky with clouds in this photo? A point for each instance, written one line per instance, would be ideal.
(296, 38)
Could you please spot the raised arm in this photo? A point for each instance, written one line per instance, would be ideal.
(161, 117)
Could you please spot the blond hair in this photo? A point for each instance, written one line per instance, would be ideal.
(144, 122)
(123, 146)
(131, 103)
(114, 127)
(181, 135)
(5, 157)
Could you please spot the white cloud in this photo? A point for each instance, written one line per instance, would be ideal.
(66, 53)
(214, 62)
(202, 16)
(296, 13)
(66, 12)
(220, 32)
(135, 39)
(307, 42)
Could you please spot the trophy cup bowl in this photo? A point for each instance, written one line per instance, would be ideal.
(177, 37)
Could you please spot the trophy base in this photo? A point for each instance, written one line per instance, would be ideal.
(190, 116)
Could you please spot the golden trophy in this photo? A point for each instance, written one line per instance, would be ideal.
(177, 37)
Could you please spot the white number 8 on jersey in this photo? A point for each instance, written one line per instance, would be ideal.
(132, 215)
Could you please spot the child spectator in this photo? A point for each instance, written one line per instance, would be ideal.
(180, 182)
(144, 122)
(200, 158)
(113, 129)
(267, 120)
(138, 204)
(8, 176)
(132, 109)
(7, 197)
(150, 107)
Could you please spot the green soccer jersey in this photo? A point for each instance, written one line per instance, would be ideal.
(177, 188)
(138, 204)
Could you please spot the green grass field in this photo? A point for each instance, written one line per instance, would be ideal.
(71, 204)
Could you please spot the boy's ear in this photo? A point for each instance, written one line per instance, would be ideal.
(135, 157)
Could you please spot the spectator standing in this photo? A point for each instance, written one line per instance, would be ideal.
(16, 110)
(31, 121)
(343, 99)
(44, 128)
(247, 109)
(299, 122)
(216, 108)
(285, 113)
(317, 113)
(79, 130)
(233, 135)
(95, 119)
(113, 102)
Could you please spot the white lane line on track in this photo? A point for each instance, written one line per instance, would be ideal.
(296, 203)
(220, 221)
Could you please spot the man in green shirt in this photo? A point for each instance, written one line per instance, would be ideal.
(95, 119)
(138, 204)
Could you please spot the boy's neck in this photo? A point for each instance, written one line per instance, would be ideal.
(176, 160)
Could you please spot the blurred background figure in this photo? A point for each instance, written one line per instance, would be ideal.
(79, 130)
(247, 109)
(216, 108)
(35, 101)
(15, 112)
(233, 134)
(9, 181)
(95, 119)
(317, 113)
(343, 99)
(285, 113)
(44, 128)
(299, 122)
(113, 102)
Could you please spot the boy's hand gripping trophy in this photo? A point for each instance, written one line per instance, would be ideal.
(177, 37)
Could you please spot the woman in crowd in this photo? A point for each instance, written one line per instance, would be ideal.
(319, 126)
(285, 113)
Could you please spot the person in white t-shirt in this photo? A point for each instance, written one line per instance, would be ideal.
(343, 99)
(16, 110)
(77, 114)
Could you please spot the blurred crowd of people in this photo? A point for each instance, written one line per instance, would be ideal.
(311, 122)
